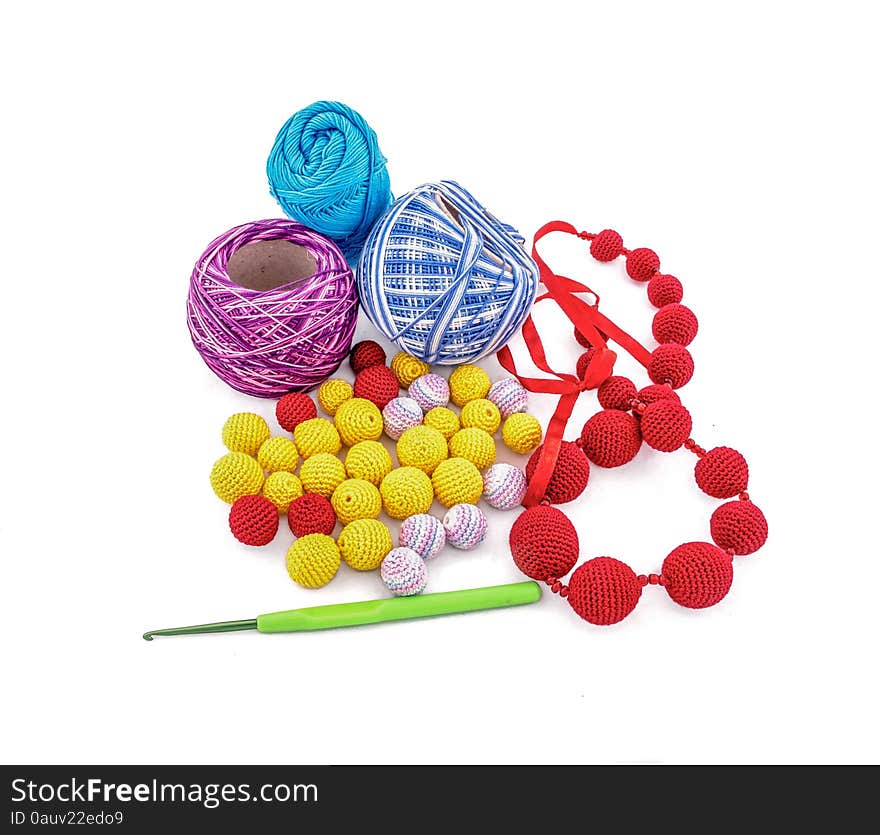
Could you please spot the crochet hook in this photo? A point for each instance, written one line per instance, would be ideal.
(371, 611)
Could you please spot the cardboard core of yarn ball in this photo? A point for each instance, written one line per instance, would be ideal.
(267, 265)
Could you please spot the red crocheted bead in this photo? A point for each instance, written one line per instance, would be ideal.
(570, 473)
(378, 384)
(722, 473)
(543, 543)
(642, 264)
(292, 409)
(671, 363)
(697, 574)
(253, 520)
(664, 289)
(311, 513)
(604, 591)
(584, 361)
(665, 425)
(581, 339)
(606, 246)
(740, 526)
(675, 323)
(611, 438)
(653, 393)
(617, 393)
(365, 354)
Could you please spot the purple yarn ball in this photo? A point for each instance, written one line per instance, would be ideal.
(430, 391)
(465, 526)
(403, 572)
(424, 534)
(400, 414)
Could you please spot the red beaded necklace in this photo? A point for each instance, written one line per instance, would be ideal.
(543, 541)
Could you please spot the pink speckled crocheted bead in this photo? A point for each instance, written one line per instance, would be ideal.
(429, 391)
(509, 396)
(465, 526)
(504, 486)
(403, 572)
(424, 534)
(399, 415)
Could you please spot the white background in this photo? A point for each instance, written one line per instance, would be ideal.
(741, 144)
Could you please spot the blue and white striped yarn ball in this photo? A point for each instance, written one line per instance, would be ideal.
(509, 396)
(504, 486)
(400, 414)
(424, 534)
(443, 279)
(403, 572)
(465, 526)
(430, 391)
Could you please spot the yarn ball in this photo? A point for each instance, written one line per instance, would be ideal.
(405, 492)
(509, 396)
(544, 543)
(245, 432)
(443, 278)
(571, 472)
(368, 460)
(424, 534)
(292, 409)
(444, 420)
(357, 420)
(697, 574)
(399, 415)
(403, 572)
(504, 486)
(604, 591)
(581, 339)
(356, 498)
(316, 435)
(611, 438)
(333, 393)
(671, 363)
(675, 323)
(457, 481)
(278, 454)
(739, 526)
(664, 289)
(236, 475)
(583, 361)
(281, 489)
(665, 425)
(642, 264)
(365, 354)
(465, 526)
(313, 560)
(468, 382)
(311, 513)
(253, 520)
(522, 432)
(325, 169)
(617, 393)
(476, 445)
(422, 447)
(481, 414)
(606, 246)
(722, 473)
(376, 384)
(429, 390)
(407, 368)
(284, 336)
(364, 543)
(321, 474)
(658, 391)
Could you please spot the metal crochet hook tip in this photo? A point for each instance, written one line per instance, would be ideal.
(204, 628)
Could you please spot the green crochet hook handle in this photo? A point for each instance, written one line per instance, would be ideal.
(372, 611)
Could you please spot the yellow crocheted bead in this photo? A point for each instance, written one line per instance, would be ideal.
(333, 393)
(407, 491)
(474, 444)
(281, 489)
(358, 419)
(277, 454)
(245, 432)
(322, 474)
(368, 460)
(422, 447)
(457, 481)
(313, 560)
(407, 368)
(468, 382)
(316, 435)
(444, 420)
(364, 543)
(522, 432)
(354, 499)
(236, 475)
(481, 414)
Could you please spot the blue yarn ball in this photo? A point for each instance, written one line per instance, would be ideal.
(443, 279)
(327, 172)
